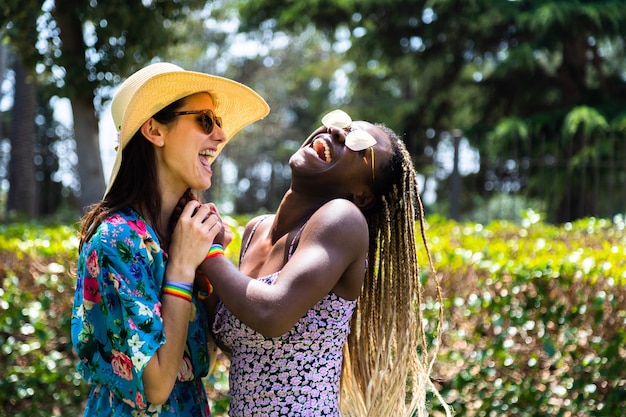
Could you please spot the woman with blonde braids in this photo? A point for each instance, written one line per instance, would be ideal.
(374, 383)
(336, 263)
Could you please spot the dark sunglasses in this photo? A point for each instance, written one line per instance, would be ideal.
(207, 119)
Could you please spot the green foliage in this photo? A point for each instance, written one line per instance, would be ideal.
(38, 364)
(505, 72)
(122, 36)
(36, 291)
(509, 130)
(584, 120)
(534, 318)
(38, 239)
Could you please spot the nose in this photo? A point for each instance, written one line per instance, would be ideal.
(217, 134)
(338, 133)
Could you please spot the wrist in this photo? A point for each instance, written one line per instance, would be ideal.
(216, 250)
(178, 289)
(179, 271)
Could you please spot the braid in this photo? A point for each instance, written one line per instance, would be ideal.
(387, 360)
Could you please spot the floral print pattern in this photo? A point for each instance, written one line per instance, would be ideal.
(117, 325)
(296, 374)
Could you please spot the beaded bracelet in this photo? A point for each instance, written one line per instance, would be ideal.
(178, 289)
(215, 251)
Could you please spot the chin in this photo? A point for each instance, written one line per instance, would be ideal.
(201, 186)
(295, 160)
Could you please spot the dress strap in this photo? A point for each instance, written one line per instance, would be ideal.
(293, 241)
(245, 248)
(292, 245)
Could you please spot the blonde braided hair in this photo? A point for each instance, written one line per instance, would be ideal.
(387, 360)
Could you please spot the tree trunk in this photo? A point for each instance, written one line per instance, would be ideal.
(81, 96)
(4, 59)
(4, 53)
(87, 149)
(23, 186)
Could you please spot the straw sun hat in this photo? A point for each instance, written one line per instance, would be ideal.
(156, 86)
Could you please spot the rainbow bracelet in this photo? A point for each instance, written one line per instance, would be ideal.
(203, 295)
(215, 251)
(178, 289)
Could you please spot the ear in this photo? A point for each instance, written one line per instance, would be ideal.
(364, 199)
(150, 129)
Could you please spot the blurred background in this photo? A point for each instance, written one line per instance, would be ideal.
(504, 105)
(514, 112)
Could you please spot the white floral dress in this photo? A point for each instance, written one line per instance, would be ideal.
(296, 374)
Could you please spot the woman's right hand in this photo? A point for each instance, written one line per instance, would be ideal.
(192, 236)
(223, 238)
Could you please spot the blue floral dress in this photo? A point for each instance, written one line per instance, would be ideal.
(117, 325)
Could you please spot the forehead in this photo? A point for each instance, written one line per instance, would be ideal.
(383, 142)
(201, 100)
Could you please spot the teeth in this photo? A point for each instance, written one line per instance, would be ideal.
(207, 153)
(327, 155)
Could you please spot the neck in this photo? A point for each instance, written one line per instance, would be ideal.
(294, 210)
(162, 222)
(168, 204)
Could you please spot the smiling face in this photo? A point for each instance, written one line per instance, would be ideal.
(184, 149)
(326, 164)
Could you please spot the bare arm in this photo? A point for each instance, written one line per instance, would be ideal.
(191, 241)
(333, 245)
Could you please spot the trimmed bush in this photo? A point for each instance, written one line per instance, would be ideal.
(534, 319)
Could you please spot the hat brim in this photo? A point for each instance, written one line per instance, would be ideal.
(237, 105)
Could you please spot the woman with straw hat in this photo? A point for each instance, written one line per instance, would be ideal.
(337, 262)
(137, 324)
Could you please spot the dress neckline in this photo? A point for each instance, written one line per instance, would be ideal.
(292, 245)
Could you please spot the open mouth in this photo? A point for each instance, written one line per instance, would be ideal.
(208, 155)
(321, 147)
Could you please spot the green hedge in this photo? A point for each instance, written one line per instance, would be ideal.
(534, 319)
(36, 290)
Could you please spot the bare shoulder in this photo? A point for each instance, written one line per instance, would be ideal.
(342, 218)
(342, 210)
(257, 221)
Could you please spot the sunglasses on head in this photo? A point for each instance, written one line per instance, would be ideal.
(207, 119)
(356, 139)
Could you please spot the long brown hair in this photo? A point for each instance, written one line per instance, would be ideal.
(387, 360)
(136, 183)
